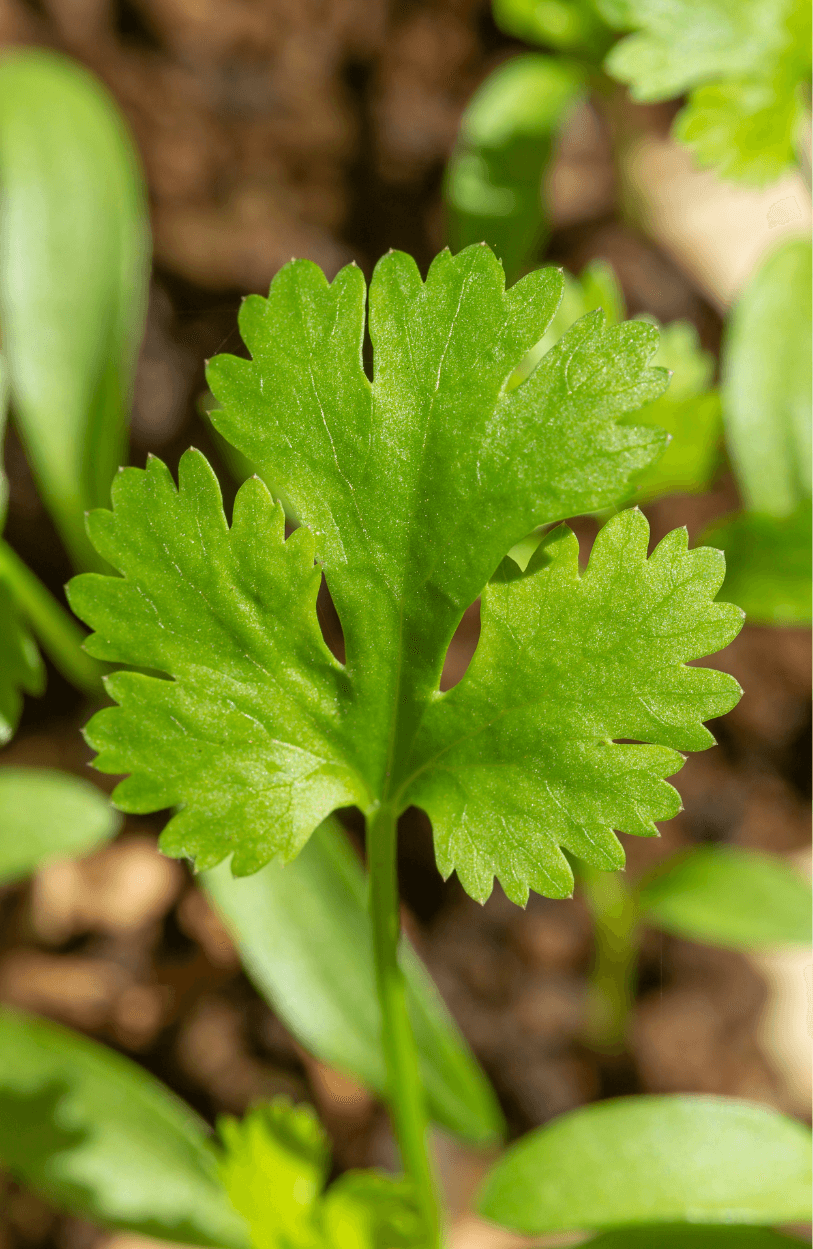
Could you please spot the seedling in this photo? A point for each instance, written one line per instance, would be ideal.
(411, 489)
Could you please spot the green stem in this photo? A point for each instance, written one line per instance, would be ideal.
(612, 979)
(56, 630)
(406, 1096)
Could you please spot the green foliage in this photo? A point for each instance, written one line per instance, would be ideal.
(100, 1138)
(689, 410)
(410, 490)
(518, 759)
(494, 180)
(689, 1236)
(746, 66)
(21, 668)
(767, 565)
(724, 896)
(767, 411)
(569, 25)
(279, 1151)
(73, 271)
(767, 383)
(651, 1160)
(305, 941)
(45, 815)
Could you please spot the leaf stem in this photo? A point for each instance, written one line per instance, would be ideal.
(406, 1096)
(612, 979)
(55, 629)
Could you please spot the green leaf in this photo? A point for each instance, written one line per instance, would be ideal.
(767, 383)
(748, 130)
(650, 1160)
(494, 179)
(410, 490)
(690, 413)
(96, 1135)
(767, 565)
(281, 1150)
(74, 258)
(694, 1237)
(721, 895)
(305, 941)
(21, 667)
(750, 63)
(561, 24)
(274, 1167)
(45, 815)
(247, 738)
(518, 758)
(595, 287)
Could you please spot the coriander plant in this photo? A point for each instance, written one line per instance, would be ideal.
(410, 490)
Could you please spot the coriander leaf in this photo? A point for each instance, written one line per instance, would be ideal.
(274, 1167)
(747, 129)
(518, 759)
(246, 739)
(689, 411)
(417, 485)
(749, 63)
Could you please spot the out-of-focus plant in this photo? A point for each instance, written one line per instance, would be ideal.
(74, 255)
(507, 135)
(74, 260)
(767, 404)
(746, 67)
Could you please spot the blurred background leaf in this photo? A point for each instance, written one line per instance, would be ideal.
(74, 257)
(47, 815)
(726, 896)
(102, 1138)
(304, 938)
(639, 1160)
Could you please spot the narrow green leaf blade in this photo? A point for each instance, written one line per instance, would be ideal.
(45, 815)
(767, 383)
(726, 896)
(74, 256)
(96, 1135)
(649, 1160)
(21, 666)
(305, 941)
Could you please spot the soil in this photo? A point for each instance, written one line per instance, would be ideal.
(320, 128)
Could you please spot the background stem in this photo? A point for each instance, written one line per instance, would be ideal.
(55, 629)
(612, 978)
(406, 1097)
